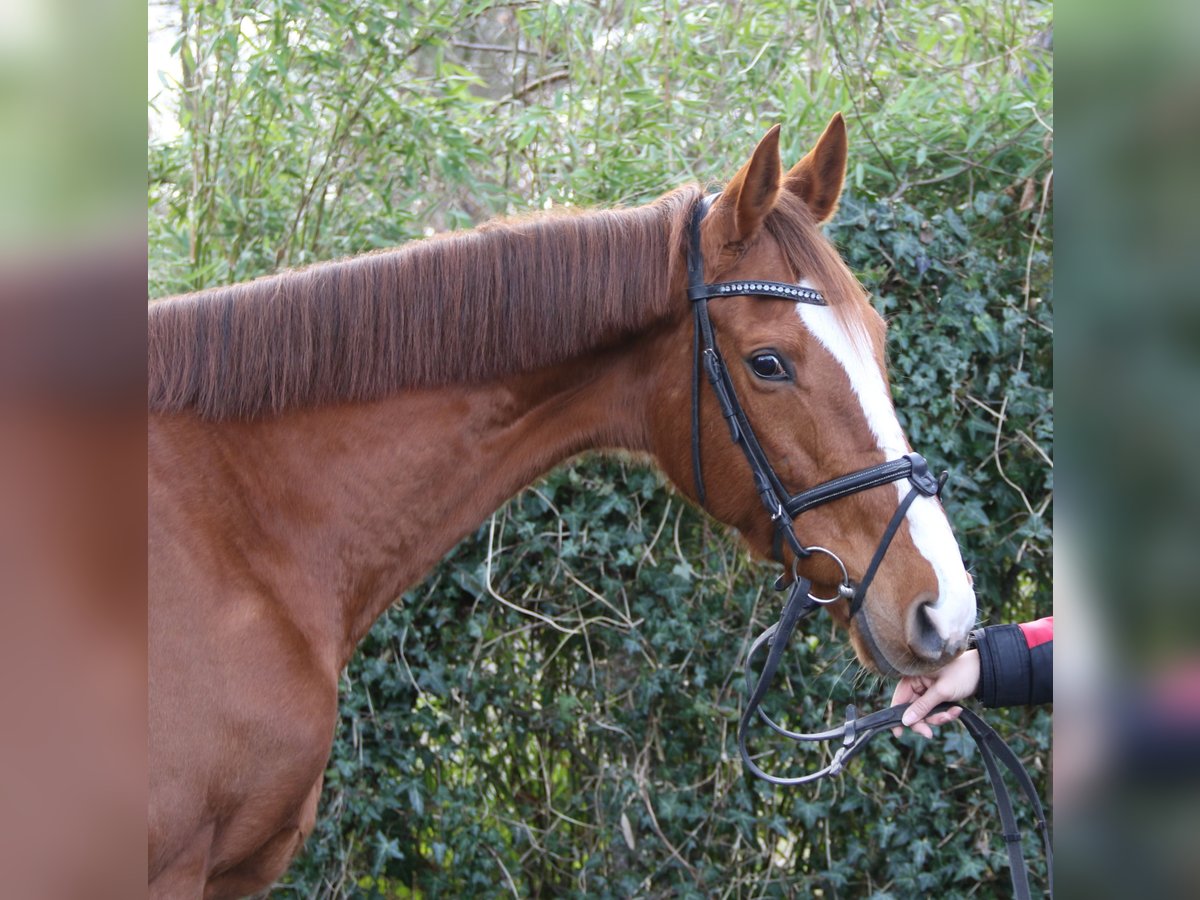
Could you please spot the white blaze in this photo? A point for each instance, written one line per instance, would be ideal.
(954, 613)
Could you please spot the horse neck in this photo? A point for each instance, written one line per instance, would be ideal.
(346, 506)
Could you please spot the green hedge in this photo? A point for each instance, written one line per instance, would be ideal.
(485, 752)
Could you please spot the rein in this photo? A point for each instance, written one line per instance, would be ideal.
(857, 731)
(784, 507)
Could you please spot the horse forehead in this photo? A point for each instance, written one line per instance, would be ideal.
(855, 323)
(856, 328)
(764, 258)
(762, 319)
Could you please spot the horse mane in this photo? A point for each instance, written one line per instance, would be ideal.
(511, 296)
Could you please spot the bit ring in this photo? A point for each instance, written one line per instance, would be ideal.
(845, 590)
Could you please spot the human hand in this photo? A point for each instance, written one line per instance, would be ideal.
(956, 680)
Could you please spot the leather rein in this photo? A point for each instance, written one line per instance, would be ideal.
(784, 507)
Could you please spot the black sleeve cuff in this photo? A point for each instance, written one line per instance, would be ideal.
(1005, 677)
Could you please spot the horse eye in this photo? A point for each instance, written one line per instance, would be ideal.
(769, 366)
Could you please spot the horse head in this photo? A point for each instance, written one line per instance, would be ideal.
(812, 382)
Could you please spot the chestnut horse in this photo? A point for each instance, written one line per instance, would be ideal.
(319, 439)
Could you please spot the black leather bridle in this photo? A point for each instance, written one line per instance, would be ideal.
(784, 508)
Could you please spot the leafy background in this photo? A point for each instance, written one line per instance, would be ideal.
(589, 750)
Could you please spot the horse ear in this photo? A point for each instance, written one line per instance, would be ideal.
(817, 179)
(755, 187)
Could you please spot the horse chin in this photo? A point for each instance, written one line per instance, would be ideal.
(870, 653)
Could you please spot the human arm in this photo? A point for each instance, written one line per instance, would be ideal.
(1011, 665)
(1016, 664)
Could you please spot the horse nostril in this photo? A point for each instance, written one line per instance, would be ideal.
(924, 639)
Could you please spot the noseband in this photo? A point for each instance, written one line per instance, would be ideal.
(784, 508)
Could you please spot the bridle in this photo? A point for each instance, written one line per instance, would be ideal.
(784, 508)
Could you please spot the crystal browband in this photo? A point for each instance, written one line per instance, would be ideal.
(757, 288)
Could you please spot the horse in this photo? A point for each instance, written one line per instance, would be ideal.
(320, 438)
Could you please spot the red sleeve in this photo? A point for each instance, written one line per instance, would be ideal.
(1039, 632)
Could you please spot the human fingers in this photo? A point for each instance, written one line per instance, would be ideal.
(945, 717)
(907, 689)
(923, 704)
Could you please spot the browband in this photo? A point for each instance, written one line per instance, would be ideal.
(698, 289)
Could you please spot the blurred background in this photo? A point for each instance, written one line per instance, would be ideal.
(72, 450)
(594, 758)
(1127, 369)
